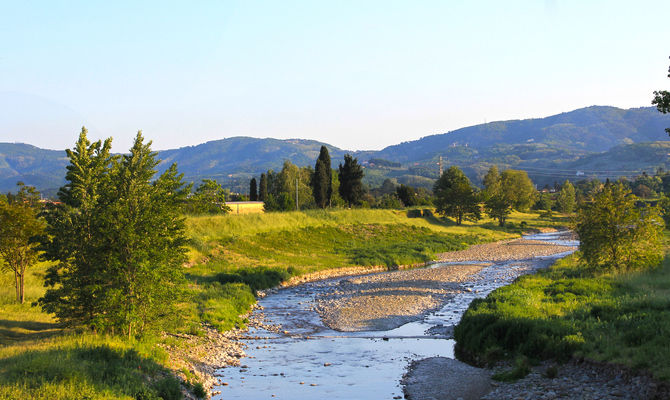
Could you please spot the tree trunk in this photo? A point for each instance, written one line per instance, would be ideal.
(16, 285)
(22, 299)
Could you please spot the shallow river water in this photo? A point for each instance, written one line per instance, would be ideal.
(311, 361)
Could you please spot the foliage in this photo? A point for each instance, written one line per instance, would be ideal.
(350, 176)
(263, 188)
(455, 196)
(407, 195)
(389, 201)
(662, 101)
(616, 235)
(566, 311)
(209, 198)
(507, 191)
(118, 240)
(322, 183)
(19, 225)
(253, 190)
(566, 198)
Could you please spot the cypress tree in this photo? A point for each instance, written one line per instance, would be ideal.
(351, 185)
(263, 188)
(253, 192)
(322, 185)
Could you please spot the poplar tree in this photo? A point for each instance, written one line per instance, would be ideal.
(350, 176)
(567, 198)
(322, 185)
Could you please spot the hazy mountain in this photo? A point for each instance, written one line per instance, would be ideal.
(44, 169)
(552, 148)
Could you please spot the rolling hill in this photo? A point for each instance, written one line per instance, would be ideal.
(598, 138)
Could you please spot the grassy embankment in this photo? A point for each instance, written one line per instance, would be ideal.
(570, 311)
(231, 257)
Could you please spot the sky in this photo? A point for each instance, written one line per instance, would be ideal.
(360, 75)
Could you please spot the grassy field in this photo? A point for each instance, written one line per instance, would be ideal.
(567, 311)
(231, 257)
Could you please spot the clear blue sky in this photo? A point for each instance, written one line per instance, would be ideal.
(356, 74)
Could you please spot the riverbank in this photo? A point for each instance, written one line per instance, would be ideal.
(567, 332)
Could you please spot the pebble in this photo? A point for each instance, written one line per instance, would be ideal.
(580, 380)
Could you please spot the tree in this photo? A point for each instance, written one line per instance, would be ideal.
(209, 198)
(504, 192)
(662, 101)
(350, 176)
(123, 271)
(19, 226)
(616, 235)
(407, 195)
(519, 188)
(263, 188)
(322, 185)
(567, 198)
(76, 283)
(253, 191)
(455, 195)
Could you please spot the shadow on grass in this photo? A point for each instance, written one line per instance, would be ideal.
(94, 370)
(12, 331)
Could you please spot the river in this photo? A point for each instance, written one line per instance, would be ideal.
(306, 360)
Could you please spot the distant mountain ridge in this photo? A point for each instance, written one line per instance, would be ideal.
(566, 141)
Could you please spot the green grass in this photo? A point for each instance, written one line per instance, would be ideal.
(41, 360)
(567, 311)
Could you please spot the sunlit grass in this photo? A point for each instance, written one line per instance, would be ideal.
(568, 311)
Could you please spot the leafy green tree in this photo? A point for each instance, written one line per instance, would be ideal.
(76, 282)
(455, 196)
(616, 235)
(263, 188)
(322, 184)
(209, 198)
(662, 101)
(253, 190)
(19, 226)
(519, 189)
(664, 205)
(146, 237)
(567, 199)
(123, 273)
(389, 201)
(407, 195)
(351, 184)
(507, 191)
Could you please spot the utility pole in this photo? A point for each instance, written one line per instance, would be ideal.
(440, 164)
(296, 195)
